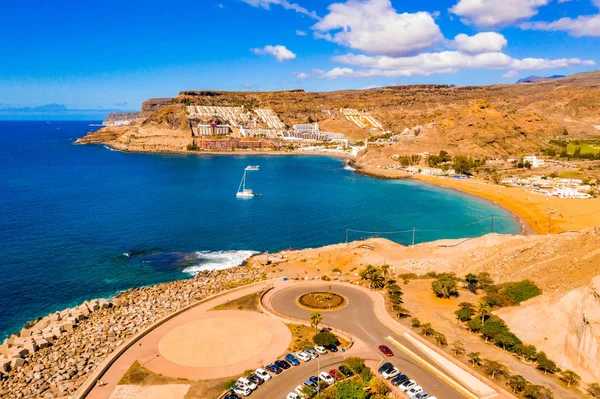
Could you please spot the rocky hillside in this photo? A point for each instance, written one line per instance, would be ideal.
(475, 120)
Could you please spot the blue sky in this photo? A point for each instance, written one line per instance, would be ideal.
(116, 54)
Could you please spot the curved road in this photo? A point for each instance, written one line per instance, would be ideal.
(358, 318)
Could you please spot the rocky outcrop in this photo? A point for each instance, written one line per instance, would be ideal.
(52, 357)
(566, 327)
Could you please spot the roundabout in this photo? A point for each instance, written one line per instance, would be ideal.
(322, 301)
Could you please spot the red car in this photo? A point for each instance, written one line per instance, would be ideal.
(336, 375)
(386, 351)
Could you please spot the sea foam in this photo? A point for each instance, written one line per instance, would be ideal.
(218, 260)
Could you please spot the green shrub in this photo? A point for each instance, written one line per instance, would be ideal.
(325, 338)
(325, 278)
(545, 364)
(521, 291)
(537, 392)
(444, 287)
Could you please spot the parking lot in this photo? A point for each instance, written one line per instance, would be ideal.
(280, 385)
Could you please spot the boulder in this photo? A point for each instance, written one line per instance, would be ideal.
(48, 336)
(4, 365)
(42, 343)
(17, 362)
(26, 333)
(30, 346)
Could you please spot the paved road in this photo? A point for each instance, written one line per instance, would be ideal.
(280, 385)
(358, 318)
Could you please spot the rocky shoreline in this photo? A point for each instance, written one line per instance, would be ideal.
(53, 356)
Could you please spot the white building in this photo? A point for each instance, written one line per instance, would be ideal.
(534, 161)
(307, 128)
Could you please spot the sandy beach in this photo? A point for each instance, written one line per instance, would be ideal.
(537, 213)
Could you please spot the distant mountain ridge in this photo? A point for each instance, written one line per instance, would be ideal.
(534, 78)
(54, 112)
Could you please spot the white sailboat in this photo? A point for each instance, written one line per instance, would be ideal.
(244, 192)
(252, 167)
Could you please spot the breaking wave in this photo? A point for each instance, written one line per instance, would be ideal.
(348, 167)
(219, 260)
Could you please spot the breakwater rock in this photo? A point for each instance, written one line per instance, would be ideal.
(53, 356)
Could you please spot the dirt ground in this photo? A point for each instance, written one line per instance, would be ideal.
(423, 304)
(249, 302)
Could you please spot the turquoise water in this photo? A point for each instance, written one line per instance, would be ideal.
(79, 222)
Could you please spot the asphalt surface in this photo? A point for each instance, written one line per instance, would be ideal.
(280, 385)
(358, 318)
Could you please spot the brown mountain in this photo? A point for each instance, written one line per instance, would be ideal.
(474, 120)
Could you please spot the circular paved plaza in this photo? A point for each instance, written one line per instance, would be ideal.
(216, 341)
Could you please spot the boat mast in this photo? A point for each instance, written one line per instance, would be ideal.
(242, 183)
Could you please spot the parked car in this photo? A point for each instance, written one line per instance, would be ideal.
(331, 348)
(390, 373)
(241, 390)
(299, 389)
(320, 350)
(336, 374)
(399, 379)
(346, 371)
(292, 359)
(256, 379)
(386, 351)
(246, 382)
(314, 379)
(282, 364)
(385, 366)
(292, 395)
(406, 385)
(422, 395)
(231, 396)
(263, 374)
(305, 357)
(414, 390)
(275, 369)
(327, 378)
(310, 383)
(312, 353)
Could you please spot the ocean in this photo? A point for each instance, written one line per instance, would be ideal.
(81, 222)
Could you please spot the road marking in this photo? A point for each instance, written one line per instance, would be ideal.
(434, 370)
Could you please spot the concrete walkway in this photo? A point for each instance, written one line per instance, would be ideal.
(147, 351)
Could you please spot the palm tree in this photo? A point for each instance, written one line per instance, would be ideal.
(315, 320)
(385, 269)
(377, 281)
(484, 310)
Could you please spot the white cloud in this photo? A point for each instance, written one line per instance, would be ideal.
(374, 26)
(510, 75)
(266, 4)
(436, 63)
(281, 53)
(302, 75)
(584, 25)
(495, 13)
(484, 42)
(300, 32)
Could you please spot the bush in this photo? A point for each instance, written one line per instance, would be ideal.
(465, 311)
(498, 300)
(230, 383)
(494, 368)
(349, 389)
(537, 392)
(528, 352)
(325, 338)
(325, 278)
(517, 383)
(440, 338)
(545, 364)
(355, 364)
(521, 291)
(444, 287)
(337, 270)
(594, 390)
(570, 378)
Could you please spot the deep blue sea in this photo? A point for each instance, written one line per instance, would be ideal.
(81, 222)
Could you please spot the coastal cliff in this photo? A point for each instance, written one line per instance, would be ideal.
(476, 120)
